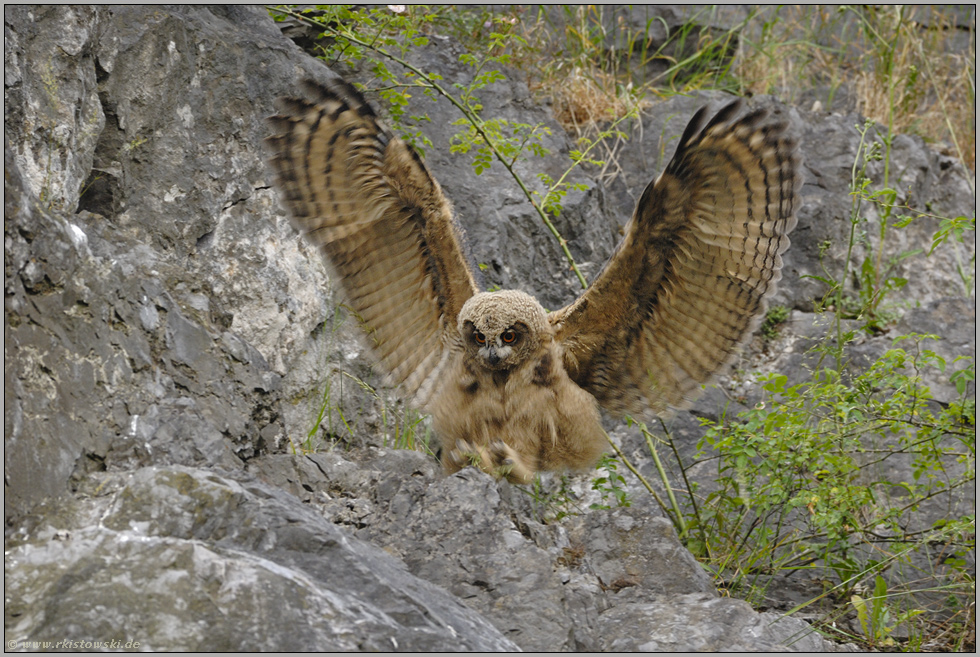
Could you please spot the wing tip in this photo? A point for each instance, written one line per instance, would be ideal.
(340, 90)
(763, 137)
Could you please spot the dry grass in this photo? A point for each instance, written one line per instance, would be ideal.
(584, 99)
(902, 67)
(899, 66)
(567, 65)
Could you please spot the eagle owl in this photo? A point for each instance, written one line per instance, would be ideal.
(510, 386)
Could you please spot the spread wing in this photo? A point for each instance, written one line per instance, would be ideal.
(687, 285)
(372, 207)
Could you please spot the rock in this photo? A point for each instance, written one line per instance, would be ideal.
(144, 325)
(183, 559)
(637, 546)
(570, 585)
(194, 436)
(693, 622)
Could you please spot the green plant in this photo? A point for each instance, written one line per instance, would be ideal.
(877, 617)
(800, 480)
(873, 280)
(401, 428)
(775, 316)
(951, 231)
(899, 72)
(551, 497)
(700, 57)
(611, 485)
(328, 416)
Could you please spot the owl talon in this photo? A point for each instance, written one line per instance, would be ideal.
(463, 455)
(498, 460)
(509, 464)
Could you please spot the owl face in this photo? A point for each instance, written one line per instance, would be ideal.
(500, 330)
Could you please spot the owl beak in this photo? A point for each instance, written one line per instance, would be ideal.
(492, 355)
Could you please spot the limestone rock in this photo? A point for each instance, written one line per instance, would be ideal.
(195, 442)
(183, 559)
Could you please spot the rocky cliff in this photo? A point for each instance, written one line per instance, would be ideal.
(170, 343)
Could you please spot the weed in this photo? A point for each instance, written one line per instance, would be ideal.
(611, 485)
(895, 61)
(874, 280)
(775, 316)
(802, 483)
(877, 617)
(400, 428)
(952, 231)
(552, 498)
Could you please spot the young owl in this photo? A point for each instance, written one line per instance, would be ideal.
(511, 387)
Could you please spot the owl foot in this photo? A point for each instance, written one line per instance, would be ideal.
(497, 459)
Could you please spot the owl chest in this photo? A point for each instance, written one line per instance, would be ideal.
(489, 405)
(500, 403)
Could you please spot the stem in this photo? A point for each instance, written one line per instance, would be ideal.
(855, 210)
(663, 476)
(608, 131)
(667, 511)
(687, 485)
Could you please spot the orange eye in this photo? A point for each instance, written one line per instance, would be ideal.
(508, 336)
(480, 338)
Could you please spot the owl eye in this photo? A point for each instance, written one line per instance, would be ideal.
(480, 338)
(508, 336)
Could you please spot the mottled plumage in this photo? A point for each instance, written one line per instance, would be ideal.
(509, 386)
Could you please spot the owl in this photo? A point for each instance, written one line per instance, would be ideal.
(511, 387)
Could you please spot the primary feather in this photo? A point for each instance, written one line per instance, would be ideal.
(371, 206)
(687, 285)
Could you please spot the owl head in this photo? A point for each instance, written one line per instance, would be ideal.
(501, 330)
